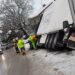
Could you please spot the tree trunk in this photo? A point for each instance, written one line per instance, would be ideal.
(24, 32)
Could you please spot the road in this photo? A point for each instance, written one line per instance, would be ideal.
(37, 63)
(17, 64)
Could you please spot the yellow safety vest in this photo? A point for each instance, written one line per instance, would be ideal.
(32, 40)
(20, 43)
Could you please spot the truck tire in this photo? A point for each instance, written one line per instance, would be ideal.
(51, 41)
(47, 40)
(55, 41)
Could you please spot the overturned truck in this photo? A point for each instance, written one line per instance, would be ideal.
(57, 25)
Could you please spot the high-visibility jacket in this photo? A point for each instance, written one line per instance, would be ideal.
(32, 39)
(20, 43)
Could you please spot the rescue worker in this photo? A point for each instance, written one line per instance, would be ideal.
(32, 41)
(21, 46)
(15, 45)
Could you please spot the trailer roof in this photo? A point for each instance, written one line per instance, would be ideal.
(54, 16)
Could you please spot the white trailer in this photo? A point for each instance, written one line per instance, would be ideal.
(57, 24)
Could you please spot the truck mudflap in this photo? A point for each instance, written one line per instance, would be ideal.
(47, 40)
(55, 40)
(51, 41)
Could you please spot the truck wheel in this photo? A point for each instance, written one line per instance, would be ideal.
(51, 41)
(47, 40)
(55, 40)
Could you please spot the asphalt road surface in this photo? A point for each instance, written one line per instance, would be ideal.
(13, 64)
(17, 64)
(38, 62)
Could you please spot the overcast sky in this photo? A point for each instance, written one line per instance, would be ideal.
(38, 3)
(0, 1)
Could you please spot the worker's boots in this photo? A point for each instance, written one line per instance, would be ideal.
(17, 52)
(23, 52)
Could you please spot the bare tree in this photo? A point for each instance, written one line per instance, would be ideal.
(15, 13)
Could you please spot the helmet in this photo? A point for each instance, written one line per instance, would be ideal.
(24, 36)
(31, 34)
(16, 38)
